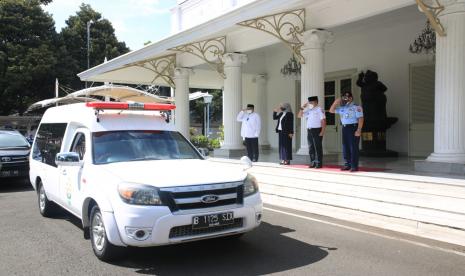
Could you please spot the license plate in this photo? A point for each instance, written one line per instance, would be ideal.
(212, 220)
(10, 173)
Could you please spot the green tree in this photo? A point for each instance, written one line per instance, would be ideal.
(196, 107)
(27, 54)
(103, 42)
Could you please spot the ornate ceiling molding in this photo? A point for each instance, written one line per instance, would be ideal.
(432, 13)
(163, 67)
(286, 26)
(210, 50)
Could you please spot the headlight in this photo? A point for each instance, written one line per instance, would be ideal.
(139, 194)
(250, 185)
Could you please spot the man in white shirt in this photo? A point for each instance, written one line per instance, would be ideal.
(316, 125)
(250, 130)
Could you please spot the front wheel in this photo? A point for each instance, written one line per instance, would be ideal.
(102, 247)
(46, 207)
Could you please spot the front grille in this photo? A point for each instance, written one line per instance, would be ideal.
(187, 231)
(190, 197)
(14, 159)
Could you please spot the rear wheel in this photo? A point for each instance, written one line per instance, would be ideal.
(102, 247)
(46, 207)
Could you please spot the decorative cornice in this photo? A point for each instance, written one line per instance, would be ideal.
(317, 38)
(234, 59)
(210, 50)
(286, 26)
(163, 67)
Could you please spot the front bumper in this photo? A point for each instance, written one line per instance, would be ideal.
(161, 222)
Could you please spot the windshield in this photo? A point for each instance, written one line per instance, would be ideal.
(131, 145)
(12, 140)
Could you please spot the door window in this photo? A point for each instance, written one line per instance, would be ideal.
(79, 145)
(48, 142)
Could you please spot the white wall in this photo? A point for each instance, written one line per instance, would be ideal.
(190, 13)
(279, 88)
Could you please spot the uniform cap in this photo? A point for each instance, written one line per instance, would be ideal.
(347, 94)
(250, 106)
(312, 98)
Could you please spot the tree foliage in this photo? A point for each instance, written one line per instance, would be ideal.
(103, 42)
(32, 54)
(28, 56)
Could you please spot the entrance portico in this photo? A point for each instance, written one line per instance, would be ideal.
(251, 60)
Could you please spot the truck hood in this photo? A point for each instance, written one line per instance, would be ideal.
(171, 173)
(14, 152)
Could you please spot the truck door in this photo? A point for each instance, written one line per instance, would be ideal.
(71, 179)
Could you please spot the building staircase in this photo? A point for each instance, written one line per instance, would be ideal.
(428, 207)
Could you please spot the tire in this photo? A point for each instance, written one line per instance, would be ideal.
(46, 207)
(103, 249)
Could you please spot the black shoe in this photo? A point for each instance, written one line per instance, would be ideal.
(312, 166)
(318, 166)
(287, 162)
(354, 170)
(346, 168)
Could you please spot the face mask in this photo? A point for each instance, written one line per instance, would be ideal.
(345, 101)
(311, 106)
(249, 111)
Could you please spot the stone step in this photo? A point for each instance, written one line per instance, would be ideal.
(383, 194)
(429, 207)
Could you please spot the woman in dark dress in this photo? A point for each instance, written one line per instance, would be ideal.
(285, 130)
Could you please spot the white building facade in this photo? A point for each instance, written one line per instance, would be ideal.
(224, 44)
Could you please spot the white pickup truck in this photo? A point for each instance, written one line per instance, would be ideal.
(135, 181)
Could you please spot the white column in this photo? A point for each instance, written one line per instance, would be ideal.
(261, 109)
(449, 109)
(181, 99)
(312, 75)
(232, 100)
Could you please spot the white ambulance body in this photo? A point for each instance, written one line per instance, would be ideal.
(135, 181)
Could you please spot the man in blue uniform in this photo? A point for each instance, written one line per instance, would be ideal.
(352, 123)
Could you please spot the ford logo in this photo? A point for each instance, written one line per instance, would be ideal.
(6, 159)
(209, 198)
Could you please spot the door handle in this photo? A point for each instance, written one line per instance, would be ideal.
(336, 128)
(63, 172)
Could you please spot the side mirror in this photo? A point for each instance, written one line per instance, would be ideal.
(67, 159)
(246, 162)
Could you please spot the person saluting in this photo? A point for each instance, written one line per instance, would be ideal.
(352, 123)
(316, 125)
(250, 130)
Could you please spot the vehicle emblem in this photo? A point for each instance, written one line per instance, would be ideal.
(6, 159)
(209, 198)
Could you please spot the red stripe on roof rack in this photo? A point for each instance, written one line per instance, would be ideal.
(130, 106)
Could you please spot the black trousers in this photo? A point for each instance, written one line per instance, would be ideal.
(350, 144)
(315, 146)
(252, 148)
(285, 146)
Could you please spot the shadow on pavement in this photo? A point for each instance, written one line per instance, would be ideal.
(12, 185)
(263, 251)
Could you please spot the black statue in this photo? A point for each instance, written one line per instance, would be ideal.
(374, 112)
